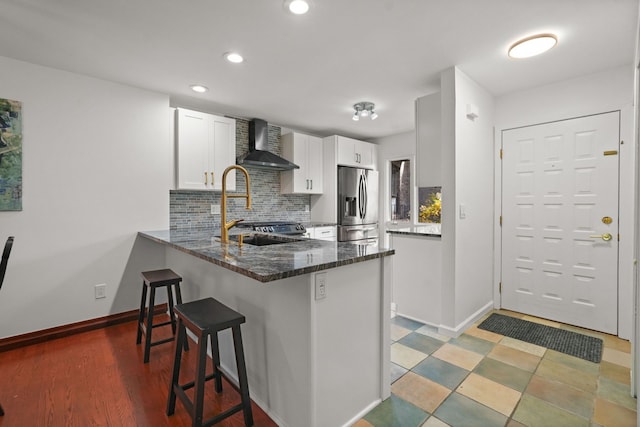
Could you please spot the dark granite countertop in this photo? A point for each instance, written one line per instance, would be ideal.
(267, 263)
(430, 230)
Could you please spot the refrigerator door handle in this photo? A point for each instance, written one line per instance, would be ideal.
(362, 196)
(351, 230)
(365, 196)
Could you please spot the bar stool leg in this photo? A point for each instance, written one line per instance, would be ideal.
(242, 375)
(143, 303)
(180, 336)
(198, 394)
(215, 358)
(179, 301)
(172, 318)
(147, 342)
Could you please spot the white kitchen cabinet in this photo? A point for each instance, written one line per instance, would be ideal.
(306, 152)
(352, 152)
(325, 232)
(428, 141)
(206, 145)
(339, 150)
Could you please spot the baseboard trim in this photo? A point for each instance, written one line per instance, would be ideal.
(36, 337)
(465, 324)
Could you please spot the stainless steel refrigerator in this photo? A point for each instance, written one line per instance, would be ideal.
(357, 205)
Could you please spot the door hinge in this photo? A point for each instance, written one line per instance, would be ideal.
(501, 153)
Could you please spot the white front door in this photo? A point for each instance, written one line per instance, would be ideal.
(560, 221)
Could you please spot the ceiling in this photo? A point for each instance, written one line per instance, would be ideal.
(305, 72)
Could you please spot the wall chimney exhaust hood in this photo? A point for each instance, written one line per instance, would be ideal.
(258, 156)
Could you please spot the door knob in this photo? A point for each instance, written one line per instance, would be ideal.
(606, 236)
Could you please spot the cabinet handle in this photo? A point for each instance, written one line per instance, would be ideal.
(212, 178)
(206, 179)
(311, 187)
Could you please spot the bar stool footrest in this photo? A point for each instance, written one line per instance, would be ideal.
(222, 416)
(161, 341)
(191, 384)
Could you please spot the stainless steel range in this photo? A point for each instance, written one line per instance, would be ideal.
(280, 227)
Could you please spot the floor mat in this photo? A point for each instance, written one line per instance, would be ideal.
(572, 343)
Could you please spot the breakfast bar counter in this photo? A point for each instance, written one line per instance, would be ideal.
(316, 337)
(296, 256)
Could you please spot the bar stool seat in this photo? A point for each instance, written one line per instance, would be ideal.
(152, 280)
(205, 318)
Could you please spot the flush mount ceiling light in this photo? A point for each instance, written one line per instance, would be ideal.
(364, 109)
(234, 57)
(199, 88)
(532, 46)
(297, 7)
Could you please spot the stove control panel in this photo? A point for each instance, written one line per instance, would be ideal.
(289, 228)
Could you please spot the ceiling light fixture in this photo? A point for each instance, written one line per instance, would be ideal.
(364, 109)
(234, 57)
(532, 46)
(298, 7)
(199, 88)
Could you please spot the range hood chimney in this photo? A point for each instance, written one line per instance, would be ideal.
(258, 156)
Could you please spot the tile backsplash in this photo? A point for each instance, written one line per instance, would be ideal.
(192, 209)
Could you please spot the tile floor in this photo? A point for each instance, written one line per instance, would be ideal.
(484, 379)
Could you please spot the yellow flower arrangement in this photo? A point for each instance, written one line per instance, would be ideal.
(431, 210)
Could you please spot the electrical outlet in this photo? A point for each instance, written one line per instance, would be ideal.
(321, 285)
(215, 209)
(100, 291)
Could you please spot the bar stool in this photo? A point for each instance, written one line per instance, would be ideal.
(205, 318)
(152, 280)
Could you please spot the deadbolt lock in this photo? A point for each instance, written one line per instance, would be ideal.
(607, 220)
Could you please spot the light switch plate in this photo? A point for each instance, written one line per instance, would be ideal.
(215, 209)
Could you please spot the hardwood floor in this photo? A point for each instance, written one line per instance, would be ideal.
(97, 378)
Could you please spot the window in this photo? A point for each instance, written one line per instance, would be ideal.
(400, 190)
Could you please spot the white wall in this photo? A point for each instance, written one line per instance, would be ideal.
(96, 169)
(591, 94)
(468, 168)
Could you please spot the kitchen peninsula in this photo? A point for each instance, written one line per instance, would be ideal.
(313, 358)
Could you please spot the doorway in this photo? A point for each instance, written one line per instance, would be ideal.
(560, 203)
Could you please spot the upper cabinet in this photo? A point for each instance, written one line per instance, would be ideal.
(428, 141)
(206, 146)
(306, 152)
(352, 152)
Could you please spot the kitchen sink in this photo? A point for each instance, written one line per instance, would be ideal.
(263, 240)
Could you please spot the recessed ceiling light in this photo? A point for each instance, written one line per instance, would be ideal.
(199, 88)
(532, 46)
(234, 57)
(298, 7)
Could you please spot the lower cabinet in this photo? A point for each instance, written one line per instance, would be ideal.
(327, 232)
(417, 277)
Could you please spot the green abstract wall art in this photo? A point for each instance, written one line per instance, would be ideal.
(10, 155)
